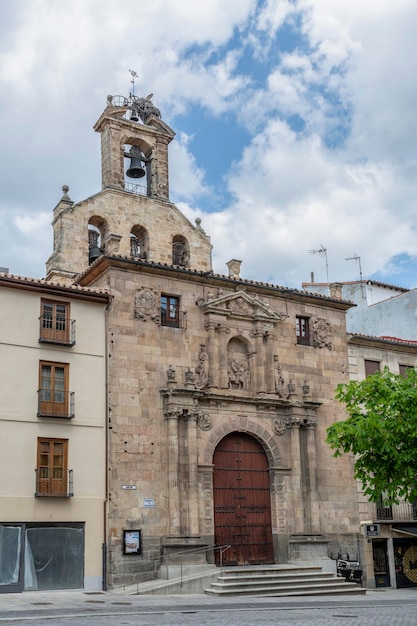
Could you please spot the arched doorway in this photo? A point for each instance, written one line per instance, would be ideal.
(242, 504)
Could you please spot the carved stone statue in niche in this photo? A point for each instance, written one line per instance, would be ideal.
(322, 334)
(239, 375)
(202, 369)
(147, 305)
(280, 388)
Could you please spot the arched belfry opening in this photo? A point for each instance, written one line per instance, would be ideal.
(97, 232)
(242, 501)
(139, 242)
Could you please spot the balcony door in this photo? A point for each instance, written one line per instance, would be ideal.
(52, 467)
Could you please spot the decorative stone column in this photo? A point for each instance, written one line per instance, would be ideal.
(258, 381)
(269, 361)
(298, 508)
(223, 365)
(311, 454)
(192, 465)
(171, 417)
(212, 352)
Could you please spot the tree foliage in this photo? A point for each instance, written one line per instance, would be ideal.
(381, 431)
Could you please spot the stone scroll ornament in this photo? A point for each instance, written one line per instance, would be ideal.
(147, 305)
(322, 334)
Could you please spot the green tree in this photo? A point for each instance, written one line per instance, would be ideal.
(381, 431)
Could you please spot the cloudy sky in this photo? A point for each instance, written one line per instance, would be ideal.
(296, 125)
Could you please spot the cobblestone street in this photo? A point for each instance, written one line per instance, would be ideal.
(120, 608)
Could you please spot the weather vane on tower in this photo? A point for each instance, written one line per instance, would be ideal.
(134, 75)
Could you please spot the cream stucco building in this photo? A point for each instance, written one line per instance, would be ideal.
(53, 435)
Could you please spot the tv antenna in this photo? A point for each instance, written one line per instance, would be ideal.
(134, 75)
(357, 258)
(322, 251)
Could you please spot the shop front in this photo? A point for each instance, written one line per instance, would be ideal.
(38, 556)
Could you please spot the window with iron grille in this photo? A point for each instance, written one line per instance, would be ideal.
(302, 329)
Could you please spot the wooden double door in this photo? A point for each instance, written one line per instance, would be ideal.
(242, 502)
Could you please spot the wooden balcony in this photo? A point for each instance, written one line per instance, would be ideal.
(53, 483)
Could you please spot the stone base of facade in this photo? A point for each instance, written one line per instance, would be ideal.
(311, 550)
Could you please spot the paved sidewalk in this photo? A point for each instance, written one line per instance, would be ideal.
(76, 600)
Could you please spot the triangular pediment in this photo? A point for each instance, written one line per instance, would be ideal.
(241, 305)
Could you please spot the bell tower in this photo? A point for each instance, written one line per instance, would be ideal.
(143, 137)
(132, 216)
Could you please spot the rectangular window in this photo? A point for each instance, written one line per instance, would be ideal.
(170, 311)
(403, 369)
(52, 476)
(55, 323)
(371, 367)
(54, 398)
(302, 327)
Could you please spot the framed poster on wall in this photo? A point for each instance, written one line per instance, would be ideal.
(132, 542)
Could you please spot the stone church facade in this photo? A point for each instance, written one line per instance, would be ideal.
(220, 389)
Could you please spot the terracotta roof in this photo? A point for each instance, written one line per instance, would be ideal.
(14, 279)
(211, 274)
(358, 282)
(383, 339)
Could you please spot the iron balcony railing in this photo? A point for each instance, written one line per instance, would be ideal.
(54, 403)
(405, 511)
(140, 190)
(179, 321)
(56, 330)
(53, 483)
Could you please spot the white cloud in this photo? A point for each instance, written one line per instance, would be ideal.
(187, 179)
(345, 177)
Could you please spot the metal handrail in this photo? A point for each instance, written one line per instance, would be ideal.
(171, 557)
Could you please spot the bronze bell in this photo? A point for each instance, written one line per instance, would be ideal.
(94, 254)
(134, 116)
(136, 170)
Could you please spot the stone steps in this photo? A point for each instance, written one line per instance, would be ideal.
(280, 581)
